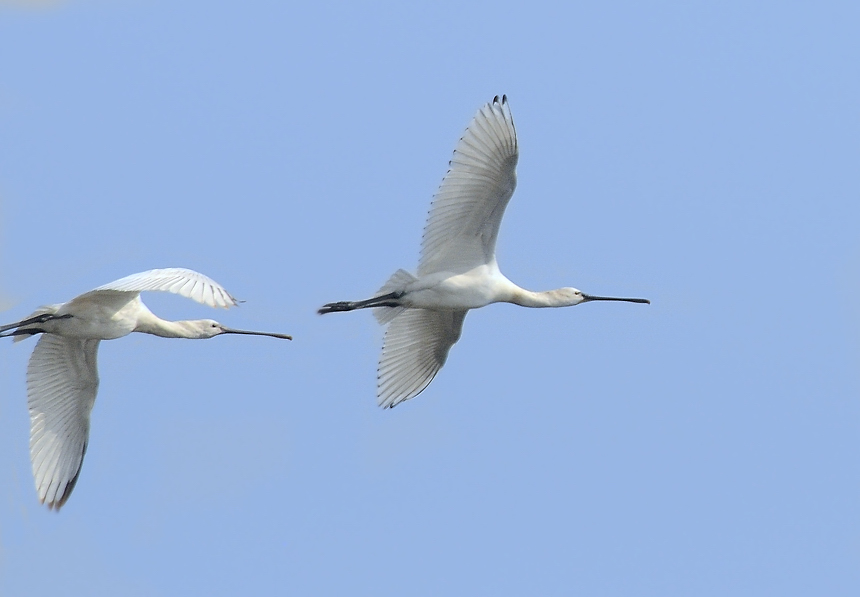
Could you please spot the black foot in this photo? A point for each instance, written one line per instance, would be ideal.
(24, 332)
(34, 320)
(335, 307)
(392, 299)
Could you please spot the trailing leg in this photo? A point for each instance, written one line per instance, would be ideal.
(392, 299)
(24, 332)
(33, 320)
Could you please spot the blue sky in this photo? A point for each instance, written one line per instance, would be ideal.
(703, 156)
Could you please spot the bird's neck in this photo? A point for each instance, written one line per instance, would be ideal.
(150, 323)
(548, 298)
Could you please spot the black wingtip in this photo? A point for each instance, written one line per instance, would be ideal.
(60, 501)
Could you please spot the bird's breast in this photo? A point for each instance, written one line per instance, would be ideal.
(471, 290)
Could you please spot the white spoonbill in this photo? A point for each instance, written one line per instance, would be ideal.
(62, 379)
(457, 270)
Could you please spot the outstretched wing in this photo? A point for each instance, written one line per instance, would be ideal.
(62, 381)
(467, 210)
(185, 282)
(415, 348)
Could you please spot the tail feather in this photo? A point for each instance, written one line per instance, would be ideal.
(396, 283)
(46, 310)
(385, 303)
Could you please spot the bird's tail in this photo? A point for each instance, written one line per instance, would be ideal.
(40, 315)
(398, 282)
(385, 303)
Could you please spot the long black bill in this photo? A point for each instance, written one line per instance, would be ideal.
(589, 297)
(272, 334)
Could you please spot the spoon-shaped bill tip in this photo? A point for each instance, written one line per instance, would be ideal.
(227, 330)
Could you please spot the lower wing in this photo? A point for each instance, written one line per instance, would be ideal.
(416, 346)
(62, 381)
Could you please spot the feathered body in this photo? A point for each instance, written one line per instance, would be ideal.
(458, 269)
(62, 375)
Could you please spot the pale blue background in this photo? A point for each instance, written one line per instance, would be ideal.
(705, 157)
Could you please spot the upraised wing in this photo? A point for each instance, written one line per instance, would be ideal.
(184, 282)
(62, 381)
(416, 346)
(467, 210)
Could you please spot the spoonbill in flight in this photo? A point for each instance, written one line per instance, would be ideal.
(457, 270)
(62, 379)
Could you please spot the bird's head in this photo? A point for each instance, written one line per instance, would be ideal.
(209, 328)
(570, 296)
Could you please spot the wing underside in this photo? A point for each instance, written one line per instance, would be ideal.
(467, 210)
(416, 346)
(62, 381)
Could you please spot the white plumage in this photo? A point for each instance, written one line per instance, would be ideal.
(415, 348)
(458, 269)
(467, 210)
(62, 381)
(184, 282)
(62, 375)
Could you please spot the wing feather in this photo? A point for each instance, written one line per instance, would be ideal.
(184, 282)
(467, 210)
(416, 346)
(62, 381)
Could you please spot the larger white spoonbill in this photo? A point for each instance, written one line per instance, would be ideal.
(62, 379)
(458, 269)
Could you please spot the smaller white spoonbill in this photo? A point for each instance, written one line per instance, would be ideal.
(458, 269)
(62, 379)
